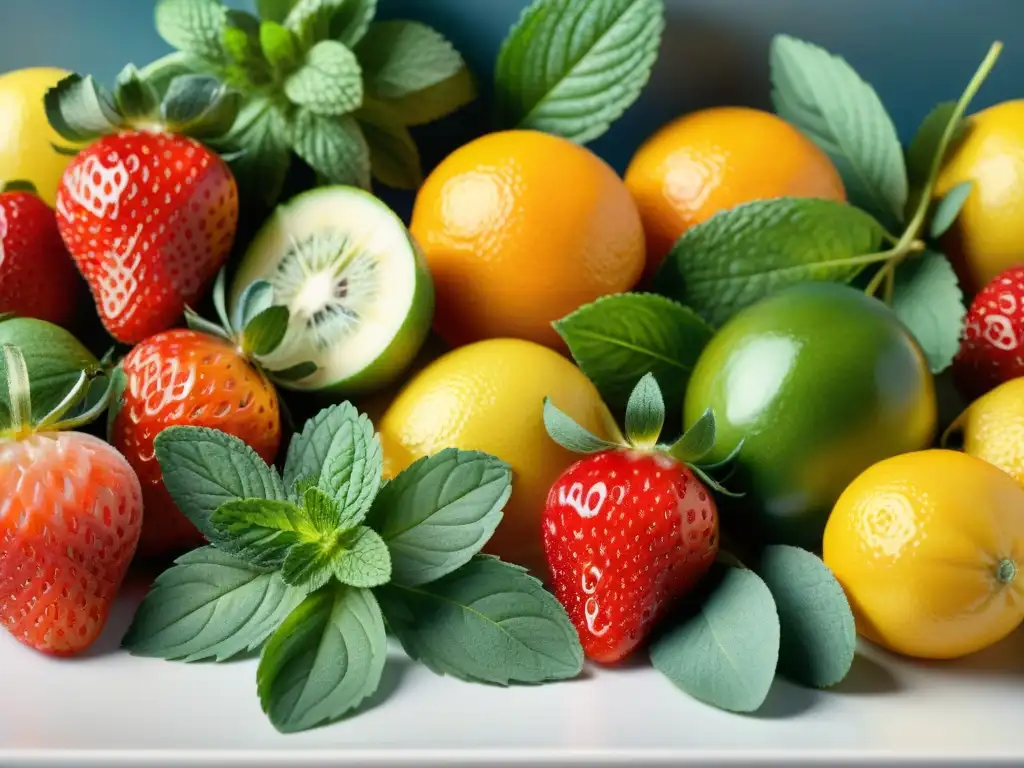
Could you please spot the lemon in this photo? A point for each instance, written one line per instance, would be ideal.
(992, 428)
(26, 138)
(489, 396)
(929, 548)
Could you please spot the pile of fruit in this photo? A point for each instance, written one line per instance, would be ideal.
(730, 410)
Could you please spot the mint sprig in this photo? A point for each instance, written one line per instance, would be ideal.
(572, 68)
(301, 560)
(320, 80)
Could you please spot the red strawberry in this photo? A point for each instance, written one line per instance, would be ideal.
(629, 530)
(991, 349)
(70, 516)
(149, 218)
(183, 377)
(37, 276)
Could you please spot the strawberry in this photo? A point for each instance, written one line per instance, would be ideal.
(205, 376)
(37, 276)
(991, 347)
(148, 215)
(630, 529)
(70, 517)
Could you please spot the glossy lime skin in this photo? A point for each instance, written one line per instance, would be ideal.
(820, 381)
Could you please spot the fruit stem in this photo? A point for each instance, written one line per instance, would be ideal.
(1006, 572)
(18, 392)
(909, 242)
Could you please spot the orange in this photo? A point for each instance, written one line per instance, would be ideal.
(715, 159)
(520, 228)
(988, 235)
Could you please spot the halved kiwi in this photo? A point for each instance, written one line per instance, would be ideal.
(357, 288)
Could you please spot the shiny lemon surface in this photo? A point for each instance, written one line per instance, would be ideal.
(992, 428)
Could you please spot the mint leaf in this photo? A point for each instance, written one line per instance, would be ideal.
(274, 10)
(200, 105)
(333, 147)
(439, 512)
(352, 20)
(645, 412)
(949, 208)
(488, 621)
(365, 561)
(259, 531)
(818, 636)
(572, 69)
(394, 156)
(825, 98)
(265, 332)
(567, 433)
(241, 42)
(400, 58)
(618, 339)
(261, 132)
(280, 47)
(342, 20)
(352, 469)
(205, 468)
(209, 605)
(310, 564)
(308, 450)
(193, 26)
(925, 144)
(726, 653)
(322, 511)
(928, 299)
(740, 255)
(324, 660)
(329, 82)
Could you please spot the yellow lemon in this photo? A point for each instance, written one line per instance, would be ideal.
(26, 138)
(929, 547)
(988, 235)
(992, 428)
(489, 396)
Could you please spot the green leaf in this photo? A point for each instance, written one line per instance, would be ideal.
(79, 109)
(310, 564)
(265, 332)
(488, 621)
(365, 561)
(645, 412)
(200, 106)
(329, 82)
(135, 98)
(274, 10)
(439, 512)
(818, 637)
(400, 58)
(324, 660)
(118, 383)
(193, 26)
(280, 47)
(219, 300)
(949, 208)
(572, 69)
(55, 361)
(434, 102)
(241, 42)
(257, 297)
(17, 185)
(740, 255)
(394, 156)
(323, 511)
(825, 98)
(726, 653)
(352, 469)
(205, 468)
(697, 441)
(308, 450)
(928, 299)
(925, 144)
(262, 132)
(618, 339)
(209, 605)
(333, 147)
(199, 323)
(352, 20)
(295, 372)
(567, 433)
(260, 531)
(343, 20)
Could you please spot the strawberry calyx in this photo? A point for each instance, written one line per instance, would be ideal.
(19, 393)
(645, 419)
(257, 328)
(18, 185)
(81, 110)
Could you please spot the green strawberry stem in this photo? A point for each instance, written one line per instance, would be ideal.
(19, 392)
(910, 243)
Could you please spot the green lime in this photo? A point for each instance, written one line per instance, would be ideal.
(820, 382)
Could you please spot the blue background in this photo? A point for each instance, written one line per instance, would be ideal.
(915, 52)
